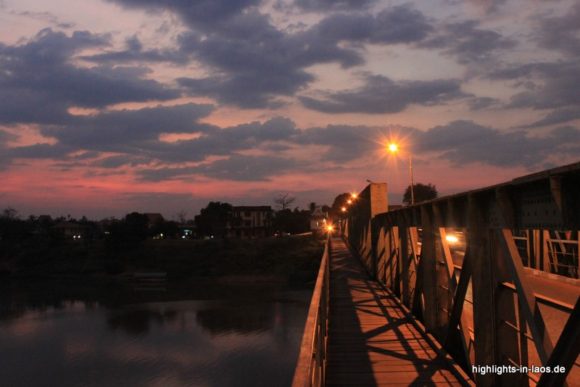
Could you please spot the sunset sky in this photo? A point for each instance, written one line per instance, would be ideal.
(112, 106)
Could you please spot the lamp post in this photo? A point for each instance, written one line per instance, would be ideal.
(394, 148)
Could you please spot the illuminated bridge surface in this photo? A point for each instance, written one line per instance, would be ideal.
(487, 277)
(372, 341)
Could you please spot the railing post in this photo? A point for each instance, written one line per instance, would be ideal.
(483, 289)
(428, 263)
(405, 260)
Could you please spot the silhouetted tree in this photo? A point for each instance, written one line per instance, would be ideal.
(181, 216)
(284, 201)
(9, 213)
(339, 202)
(422, 192)
(213, 219)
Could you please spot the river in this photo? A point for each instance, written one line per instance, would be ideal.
(200, 334)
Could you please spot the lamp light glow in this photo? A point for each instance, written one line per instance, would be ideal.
(451, 238)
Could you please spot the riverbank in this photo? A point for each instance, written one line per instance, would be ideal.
(293, 258)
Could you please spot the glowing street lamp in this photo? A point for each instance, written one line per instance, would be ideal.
(343, 209)
(394, 148)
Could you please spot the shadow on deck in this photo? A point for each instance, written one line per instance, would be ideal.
(372, 340)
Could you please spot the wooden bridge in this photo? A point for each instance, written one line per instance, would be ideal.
(476, 288)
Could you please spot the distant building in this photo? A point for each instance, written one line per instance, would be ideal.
(250, 222)
(317, 220)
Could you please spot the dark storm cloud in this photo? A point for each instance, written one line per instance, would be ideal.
(134, 52)
(464, 142)
(399, 24)
(548, 84)
(382, 95)
(483, 103)
(41, 151)
(561, 33)
(236, 167)
(330, 5)
(223, 142)
(249, 168)
(556, 117)
(39, 82)
(254, 62)
(467, 42)
(344, 143)
(196, 13)
(119, 161)
(489, 6)
(129, 130)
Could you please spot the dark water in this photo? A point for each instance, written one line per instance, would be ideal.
(191, 335)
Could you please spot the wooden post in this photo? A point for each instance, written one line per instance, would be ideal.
(405, 260)
(442, 275)
(483, 286)
(428, 272)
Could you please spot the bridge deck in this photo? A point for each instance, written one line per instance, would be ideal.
(372, 341)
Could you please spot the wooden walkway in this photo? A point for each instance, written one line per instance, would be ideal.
(372, 341)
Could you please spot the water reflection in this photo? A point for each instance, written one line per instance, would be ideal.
(183, 337)
(137, 322)
(227, 318)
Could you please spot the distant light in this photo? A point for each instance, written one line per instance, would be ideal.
(343, 209)
(393, 147)
(354, 195)
(330, 228)
(451, 238)
(349, 201)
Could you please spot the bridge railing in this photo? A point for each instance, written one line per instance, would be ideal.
(311, 365)
(458, 264)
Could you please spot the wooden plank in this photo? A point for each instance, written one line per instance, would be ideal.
(372, 341)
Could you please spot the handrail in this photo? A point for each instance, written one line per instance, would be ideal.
(467, 311)
(310, 368)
